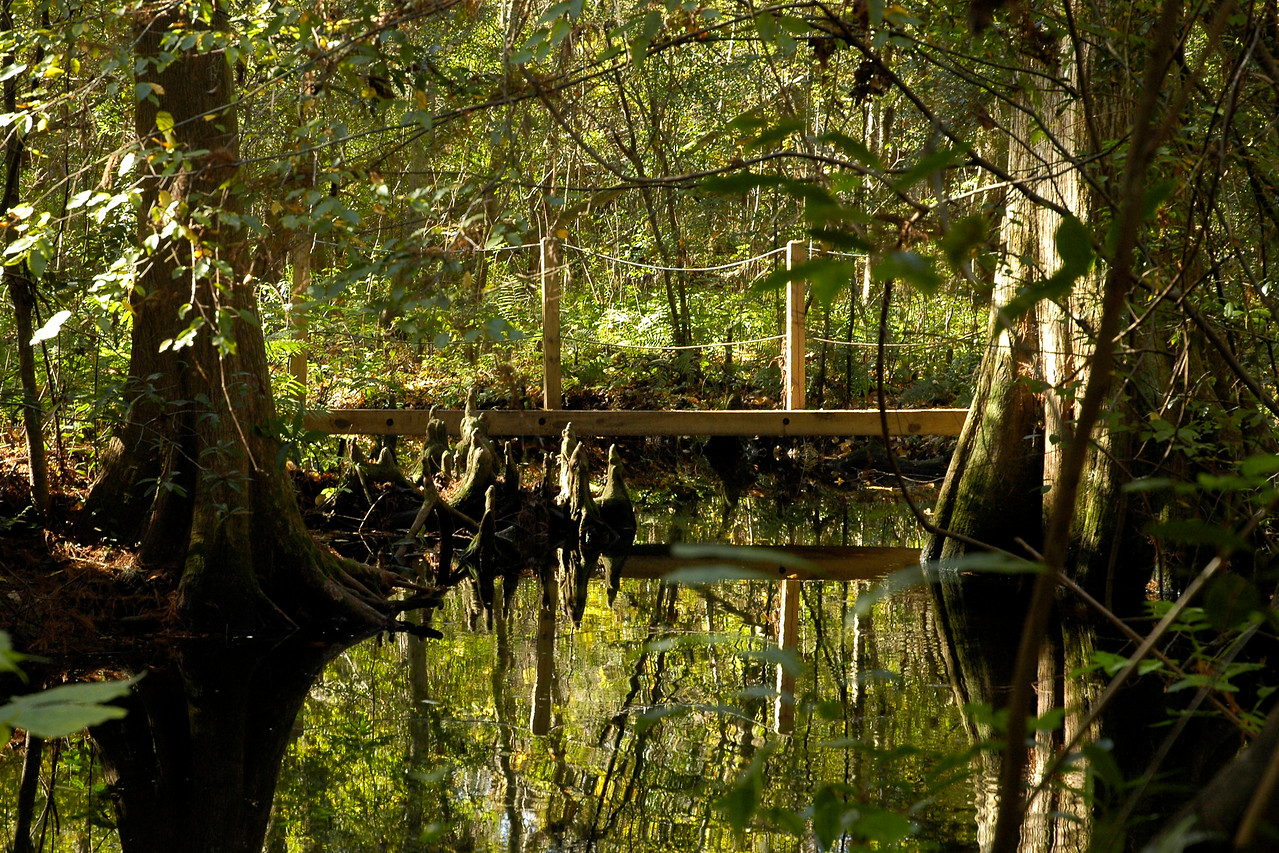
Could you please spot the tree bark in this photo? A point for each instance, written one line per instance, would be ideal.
(194, 475)
(22, 294)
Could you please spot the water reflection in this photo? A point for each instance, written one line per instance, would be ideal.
(629, 715)
(634, 721)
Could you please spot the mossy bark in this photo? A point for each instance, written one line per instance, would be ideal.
(194, 475)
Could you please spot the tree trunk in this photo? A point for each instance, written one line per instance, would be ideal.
(1002, 482)
(23, 295)
(194, 475)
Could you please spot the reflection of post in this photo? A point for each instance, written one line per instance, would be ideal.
(787, 638)
(540, 721)
(552, 397)
(795, 318)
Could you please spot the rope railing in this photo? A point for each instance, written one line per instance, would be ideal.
(659, 268)
(672, 348)
(795, 341)
(897, 345)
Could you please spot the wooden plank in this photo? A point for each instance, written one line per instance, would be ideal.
(830, 562)
(836, 422)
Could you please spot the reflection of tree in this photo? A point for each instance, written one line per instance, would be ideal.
(668, 686)
(193, 766)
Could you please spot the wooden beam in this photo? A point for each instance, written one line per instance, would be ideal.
(829, 562)
(746, 422)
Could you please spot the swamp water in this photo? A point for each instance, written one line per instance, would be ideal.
(650, 722)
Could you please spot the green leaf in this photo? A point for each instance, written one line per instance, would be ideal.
(9, 659)
(830, 816)
(742, 800)
(928, 164)
(853, 149)
(65, 710)
(829, 277)
(1048, 721)
(743, 554)
(911, 267)
(713, 574)
(963, 236)
(840, 240)
(766, 26)
(1259, 467)
(777, 132)
(1155, 197)
(1230, 600)
(1074, 246)
(884, 827)
(648, 31)
(164, 121)
(1102, 764)
(1195, 532)
(50, 329)
(898, 580)
(789, 660)
(738, 183)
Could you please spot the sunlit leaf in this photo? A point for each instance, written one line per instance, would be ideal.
(50, 329)
(67, 709)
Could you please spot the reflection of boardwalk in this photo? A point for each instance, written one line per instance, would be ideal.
(826, 562)
(658, 422)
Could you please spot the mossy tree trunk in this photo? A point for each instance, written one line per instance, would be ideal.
(194, 476)
(1002, 484)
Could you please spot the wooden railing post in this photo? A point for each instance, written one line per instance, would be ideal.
(552, 388)
(793, 359)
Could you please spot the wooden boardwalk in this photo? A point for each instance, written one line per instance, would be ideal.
(743, 422)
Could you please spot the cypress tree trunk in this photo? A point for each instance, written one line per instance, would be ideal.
(194, 474)
(1002, 484)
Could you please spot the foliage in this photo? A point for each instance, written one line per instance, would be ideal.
(57, 711)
